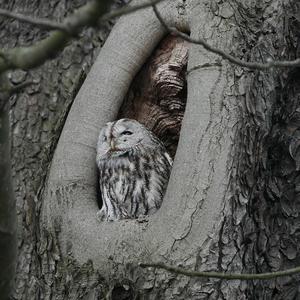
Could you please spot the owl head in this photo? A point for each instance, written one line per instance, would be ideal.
(122, 136)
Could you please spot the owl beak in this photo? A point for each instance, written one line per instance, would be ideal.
(112, 145)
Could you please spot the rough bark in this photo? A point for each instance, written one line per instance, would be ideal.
(37, 115)
(207, 217)
(271, 184)
(28, 57)
(231, 203)
(157, 95)
(8, 243)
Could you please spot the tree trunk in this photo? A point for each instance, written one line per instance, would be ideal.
(37, 116)
(231, 203)
(7, 206)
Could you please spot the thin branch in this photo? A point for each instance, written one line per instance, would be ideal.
(44, 23)
(127, 10)
(227, 276)
(35, 55)
(51, 25)
(251, 65)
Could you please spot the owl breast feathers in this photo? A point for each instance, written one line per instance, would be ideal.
(134, 169)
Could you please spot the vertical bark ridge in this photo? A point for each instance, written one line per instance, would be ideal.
(37, 116)
(265, 200)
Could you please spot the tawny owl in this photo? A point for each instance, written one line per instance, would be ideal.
(134, 169)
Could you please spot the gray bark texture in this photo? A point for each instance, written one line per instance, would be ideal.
(232, 199)
(8, 243)
(226, 208)
(37, 115)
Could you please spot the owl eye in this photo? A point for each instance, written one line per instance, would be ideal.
(127, 132)
(104, 139)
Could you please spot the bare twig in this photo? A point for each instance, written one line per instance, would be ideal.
(87, 15)
(251, 65)
(51, 25)
(30, 57)
(227, 276)
(44, 23)
(127, 10)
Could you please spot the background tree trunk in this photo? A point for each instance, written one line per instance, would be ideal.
(37, 117)
(270, 174)
(231, 203)
(7, 208)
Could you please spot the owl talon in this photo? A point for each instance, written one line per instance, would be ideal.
(100, 215)
(142, 219)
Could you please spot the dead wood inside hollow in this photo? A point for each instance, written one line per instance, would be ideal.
(157, 95)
